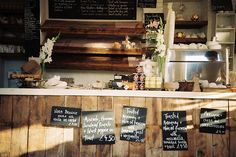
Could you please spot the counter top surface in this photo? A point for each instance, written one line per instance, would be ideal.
(108, 92)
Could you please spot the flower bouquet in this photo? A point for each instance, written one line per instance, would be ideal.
(45, 54)
(156, 45)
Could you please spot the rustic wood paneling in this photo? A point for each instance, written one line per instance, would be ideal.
(220, 143)
(5, 125)
(54, 136)
(105, 104)
(72, 135)
(137, 149)
(232, 122)
(89, 103)
(120, 148)
(95, 28)
(25, 128)
(37, 118)
(153, 132)
(153, 141)
(92, 62)
(20, 119)
(168, 105)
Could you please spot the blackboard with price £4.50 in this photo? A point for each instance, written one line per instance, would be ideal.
(98, 127)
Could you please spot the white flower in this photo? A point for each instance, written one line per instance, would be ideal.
(155, 32)
(46, 50)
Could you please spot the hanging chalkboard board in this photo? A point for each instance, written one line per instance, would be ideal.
(93, 9)
(151, 17)
(98, 127)
(174, 130)
(133, 124)
(222, 5)
(147, 3)
(32, 28)
(212, 121)
(63, 9)
(65, 116)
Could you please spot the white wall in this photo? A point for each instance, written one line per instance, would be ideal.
(84, 77)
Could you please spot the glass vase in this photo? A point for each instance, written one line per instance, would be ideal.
(160, 68)
(42, 71)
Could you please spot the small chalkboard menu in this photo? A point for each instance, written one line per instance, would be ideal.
(222, 5)
(93, 9)
(65, 116)
(98, 127)
(149, 17)
(133, 124)
(32, 28)
(63, 9)
(174, 130)
(147, 3)
(212, 121)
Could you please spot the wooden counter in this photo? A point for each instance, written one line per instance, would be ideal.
(25, 128)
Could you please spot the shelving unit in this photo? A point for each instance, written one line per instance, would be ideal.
(187, 25)
(90, 45)
(225, 34)
(11, 29)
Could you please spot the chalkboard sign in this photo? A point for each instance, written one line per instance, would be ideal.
(174, 130)
(222, 5)
(151, 17)
(63, 9)
(65, 116)
(98, 127)
(32, 28)
(147, 3)
(93, 9)
(133, 124)
(212, 121)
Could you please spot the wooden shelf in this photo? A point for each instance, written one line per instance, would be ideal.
(11, 41)
(15, 27)
(94, 46)
(190, 24)
(190, 40)
(91, 62)
(95, 28)
(89, 45)
(17, 56)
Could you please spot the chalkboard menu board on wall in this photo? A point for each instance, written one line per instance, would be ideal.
(98, 127)
(65, 116)
(133, 124)
(222, 5)
(93, 9)
(212, 121)
(63, 9)
(152, 16)
(32, 28)
(174, 130)
(147, 3)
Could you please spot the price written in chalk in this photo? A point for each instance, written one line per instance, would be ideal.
(212, 121)
(98, 127)
(65, 116)
(133, 124)
(93, 9)
(174, 130)
(147, 3)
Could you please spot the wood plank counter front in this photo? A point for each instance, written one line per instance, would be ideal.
(26, 129)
